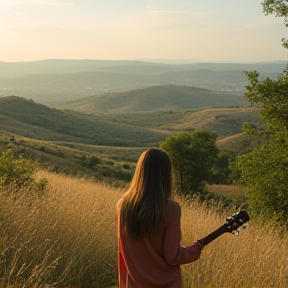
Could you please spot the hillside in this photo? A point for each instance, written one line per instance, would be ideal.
(155, 98)
(52, 82)
(30, 119)
(225, 122)
(239, 143)
(108, 146)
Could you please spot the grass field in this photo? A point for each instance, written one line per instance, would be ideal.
(234, 192)
(67, 238)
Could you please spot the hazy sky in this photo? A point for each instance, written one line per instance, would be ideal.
(222, 30)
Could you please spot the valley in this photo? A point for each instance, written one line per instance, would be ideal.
(90, 117)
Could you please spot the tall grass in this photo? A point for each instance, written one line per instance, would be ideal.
(68, 237)
(257, 257)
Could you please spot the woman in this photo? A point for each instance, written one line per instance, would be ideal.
(149, 235)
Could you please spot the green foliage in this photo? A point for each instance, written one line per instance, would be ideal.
(221, 170)
(19, 171)
(126, 166)
(280, 9)
(93, 160)
(271, 95)
(235, 175)
(264, 171)
(192, 155)
(277, 7)
(249, 129)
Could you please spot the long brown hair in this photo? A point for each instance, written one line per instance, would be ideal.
(143, 207)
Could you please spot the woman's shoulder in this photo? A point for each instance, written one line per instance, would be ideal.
(173, 209)
(172, 203)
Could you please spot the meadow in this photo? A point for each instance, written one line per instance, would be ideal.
(67, 238)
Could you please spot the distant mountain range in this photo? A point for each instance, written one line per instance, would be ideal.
(54, 82)
(18, 69)
(157, 98)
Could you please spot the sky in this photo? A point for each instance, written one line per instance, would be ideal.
(203, 30)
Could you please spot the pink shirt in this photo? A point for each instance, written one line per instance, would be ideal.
(154, 262)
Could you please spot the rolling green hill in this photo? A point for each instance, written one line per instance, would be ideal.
(225, 122)
(222, 121)
(238, 143)
(30, 119)
(155, 98)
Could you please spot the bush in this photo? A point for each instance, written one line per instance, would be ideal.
(19, 171)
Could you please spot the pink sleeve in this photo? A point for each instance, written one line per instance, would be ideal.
(174, 252)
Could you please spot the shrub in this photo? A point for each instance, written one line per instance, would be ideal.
(19, 171)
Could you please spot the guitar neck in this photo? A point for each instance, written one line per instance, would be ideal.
(212, 236)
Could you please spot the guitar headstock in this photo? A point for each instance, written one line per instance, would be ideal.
(236, 220)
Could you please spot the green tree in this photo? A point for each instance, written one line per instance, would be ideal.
(265, 170)
(280, 9)
(192, 155)
(221, 169)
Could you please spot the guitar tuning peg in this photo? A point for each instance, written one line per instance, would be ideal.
(235, 232)
(244, 226)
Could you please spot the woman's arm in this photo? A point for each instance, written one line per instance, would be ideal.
(174, 252)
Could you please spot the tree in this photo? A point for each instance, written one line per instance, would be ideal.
(264, 171)
(272, 97)
(280, 9)
(221, 169)
(192, 155)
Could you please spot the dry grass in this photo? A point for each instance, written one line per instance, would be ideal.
(230, 191)
(258, 257)
(217, 120)
(68, 238)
